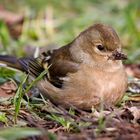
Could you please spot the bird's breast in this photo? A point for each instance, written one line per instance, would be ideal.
(87, 88)
(95, 85)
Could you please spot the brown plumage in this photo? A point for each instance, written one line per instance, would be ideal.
(85, 73)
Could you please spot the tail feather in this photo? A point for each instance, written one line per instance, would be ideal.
(26, 64)
(11, 61)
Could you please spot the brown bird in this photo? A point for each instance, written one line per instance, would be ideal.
(85, 73)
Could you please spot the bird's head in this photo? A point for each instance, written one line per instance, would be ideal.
(99, 44)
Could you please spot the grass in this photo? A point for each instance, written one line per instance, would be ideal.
(16, 133)
(21, 92)
(67, 124)
(18, 97)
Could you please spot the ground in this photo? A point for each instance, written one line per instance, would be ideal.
(55, 122)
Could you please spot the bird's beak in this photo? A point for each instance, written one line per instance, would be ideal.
(118, 55)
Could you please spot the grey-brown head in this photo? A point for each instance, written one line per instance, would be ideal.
(99, 43)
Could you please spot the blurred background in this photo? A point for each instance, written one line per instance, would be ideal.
(29, 24)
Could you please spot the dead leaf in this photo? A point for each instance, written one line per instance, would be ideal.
(131, 114)
(13, 21)
(8, 89)
(135, 112)
(133, 70)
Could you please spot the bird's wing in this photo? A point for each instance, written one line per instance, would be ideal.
(60, 69)
(34, 66)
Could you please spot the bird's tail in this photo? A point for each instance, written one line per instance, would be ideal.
(11, 62)
(26, 64)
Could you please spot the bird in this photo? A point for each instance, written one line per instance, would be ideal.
(85, 73)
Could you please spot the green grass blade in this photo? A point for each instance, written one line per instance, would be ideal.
(20, 93)
(18, 133)
(18, 98)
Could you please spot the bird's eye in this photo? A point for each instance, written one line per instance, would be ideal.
(101, 47)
